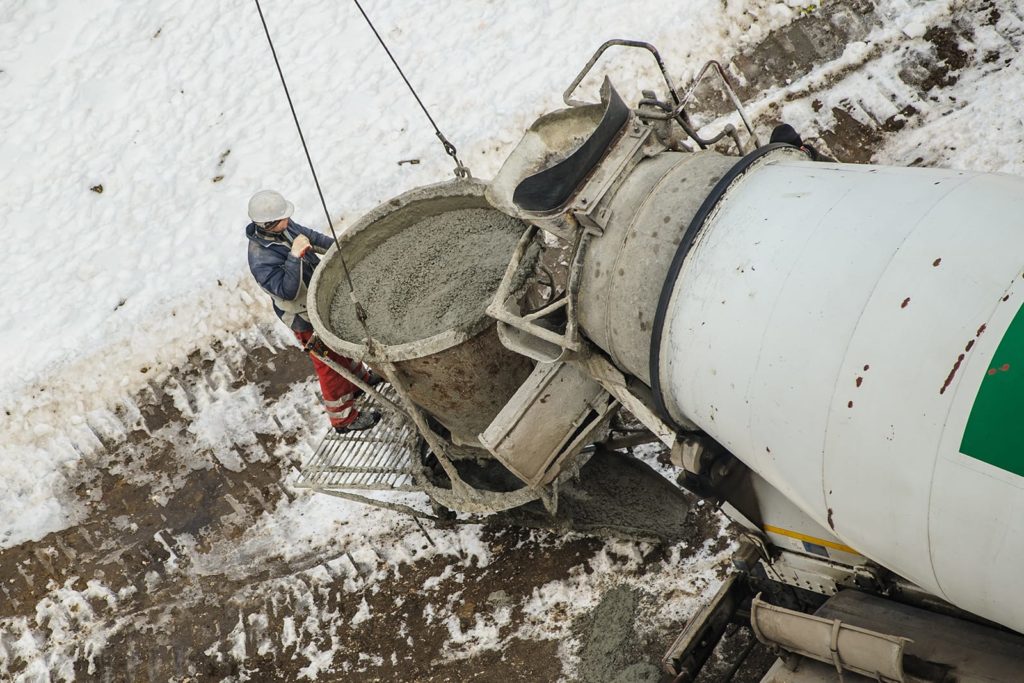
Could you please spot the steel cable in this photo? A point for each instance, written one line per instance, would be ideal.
(460, 170)
(436, 443)
(360, 312)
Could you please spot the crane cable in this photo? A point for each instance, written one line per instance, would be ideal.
(436, 443)
(461, 171)
(360, 311)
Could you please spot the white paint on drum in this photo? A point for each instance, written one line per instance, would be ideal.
(806, 274)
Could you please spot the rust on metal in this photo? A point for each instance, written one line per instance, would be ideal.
(952, 373)
(1005, 367)
(830, 522)
(936, 262)
(905, 302)
(860, 380)
(960, 360)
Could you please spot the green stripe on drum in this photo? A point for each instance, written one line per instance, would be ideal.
(995, 429)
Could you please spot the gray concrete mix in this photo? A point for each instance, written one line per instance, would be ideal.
(609, 653)
(437, 274)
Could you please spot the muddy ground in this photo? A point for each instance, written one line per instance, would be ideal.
(173, 621)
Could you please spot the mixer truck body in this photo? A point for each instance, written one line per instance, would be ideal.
(833, 353)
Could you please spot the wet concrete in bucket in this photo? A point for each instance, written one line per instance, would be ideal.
(437, 274)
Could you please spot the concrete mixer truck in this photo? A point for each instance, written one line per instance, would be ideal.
(833, 353)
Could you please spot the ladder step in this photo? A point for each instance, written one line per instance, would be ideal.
(378, 459)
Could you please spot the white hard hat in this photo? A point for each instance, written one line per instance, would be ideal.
(266, 206)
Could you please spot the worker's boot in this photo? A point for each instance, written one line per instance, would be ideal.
(366, 420)
(372, 378)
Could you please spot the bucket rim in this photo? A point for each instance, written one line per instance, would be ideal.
(419, 348)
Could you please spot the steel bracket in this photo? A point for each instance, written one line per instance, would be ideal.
(692, 648)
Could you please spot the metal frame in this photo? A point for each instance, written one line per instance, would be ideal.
(355, 460)
(586, 214)
(361, 462)
(674, 111)
(597, 55)
(504, 309)
(692, 648)
(379, 459)
(733, 98)
(614, 382)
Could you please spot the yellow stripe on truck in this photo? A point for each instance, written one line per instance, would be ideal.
(810, 539)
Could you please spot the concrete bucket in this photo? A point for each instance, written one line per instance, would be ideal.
(425, 265)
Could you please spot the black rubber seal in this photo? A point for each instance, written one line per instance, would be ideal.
(551, 188)
(709, 204)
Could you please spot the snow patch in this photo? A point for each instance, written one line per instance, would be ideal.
(362, 614)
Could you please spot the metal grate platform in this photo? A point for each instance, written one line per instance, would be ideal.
(378, 459)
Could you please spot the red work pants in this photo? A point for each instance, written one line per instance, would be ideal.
(338, 392)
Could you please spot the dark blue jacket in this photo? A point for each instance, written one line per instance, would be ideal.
(277, 271)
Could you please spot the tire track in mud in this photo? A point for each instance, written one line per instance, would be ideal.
(146, 481)
(138, 482)
(132, 594)
(288, 621)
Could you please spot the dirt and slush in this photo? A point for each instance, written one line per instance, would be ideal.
(437, 274)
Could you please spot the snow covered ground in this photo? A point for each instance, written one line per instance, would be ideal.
(175, 111)
(133, 135)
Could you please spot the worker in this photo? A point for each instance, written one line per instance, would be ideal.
(282, 257)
